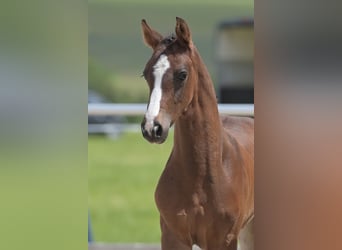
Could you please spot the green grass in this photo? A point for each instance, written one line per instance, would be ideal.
(123, 175)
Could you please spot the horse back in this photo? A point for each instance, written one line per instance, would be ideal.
(241, 129)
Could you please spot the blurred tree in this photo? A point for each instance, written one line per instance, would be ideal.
(114, 88)
(101, 80)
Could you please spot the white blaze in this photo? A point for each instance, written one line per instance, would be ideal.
(159, 70)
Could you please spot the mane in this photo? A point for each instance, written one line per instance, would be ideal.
(172, 45)
(170, 39)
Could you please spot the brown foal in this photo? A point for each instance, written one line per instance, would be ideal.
(205, 194)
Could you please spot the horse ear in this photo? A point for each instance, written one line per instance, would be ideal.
(151, 37)
(183, 31)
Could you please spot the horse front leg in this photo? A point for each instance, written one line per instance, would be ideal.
(233, 245)
(224, 246)
(246, 237)
(169, 241)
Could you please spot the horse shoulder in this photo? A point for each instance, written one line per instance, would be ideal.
(239, 155)
(169, 187)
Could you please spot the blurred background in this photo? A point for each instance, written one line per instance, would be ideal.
(123, 169)
(43, 179)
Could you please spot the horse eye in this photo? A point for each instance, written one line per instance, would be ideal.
(181, 76)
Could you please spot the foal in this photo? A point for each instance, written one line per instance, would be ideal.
(205, 194)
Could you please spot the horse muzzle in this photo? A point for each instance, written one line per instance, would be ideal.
(155, 131)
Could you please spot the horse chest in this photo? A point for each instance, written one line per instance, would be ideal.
(191, 214)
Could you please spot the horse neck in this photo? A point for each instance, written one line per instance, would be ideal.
(198, 132)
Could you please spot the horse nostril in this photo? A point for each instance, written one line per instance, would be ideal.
(143, 130)
(157, 130)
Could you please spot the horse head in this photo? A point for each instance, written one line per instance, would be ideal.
(171, 76)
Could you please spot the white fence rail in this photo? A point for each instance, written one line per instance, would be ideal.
(140, 109)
